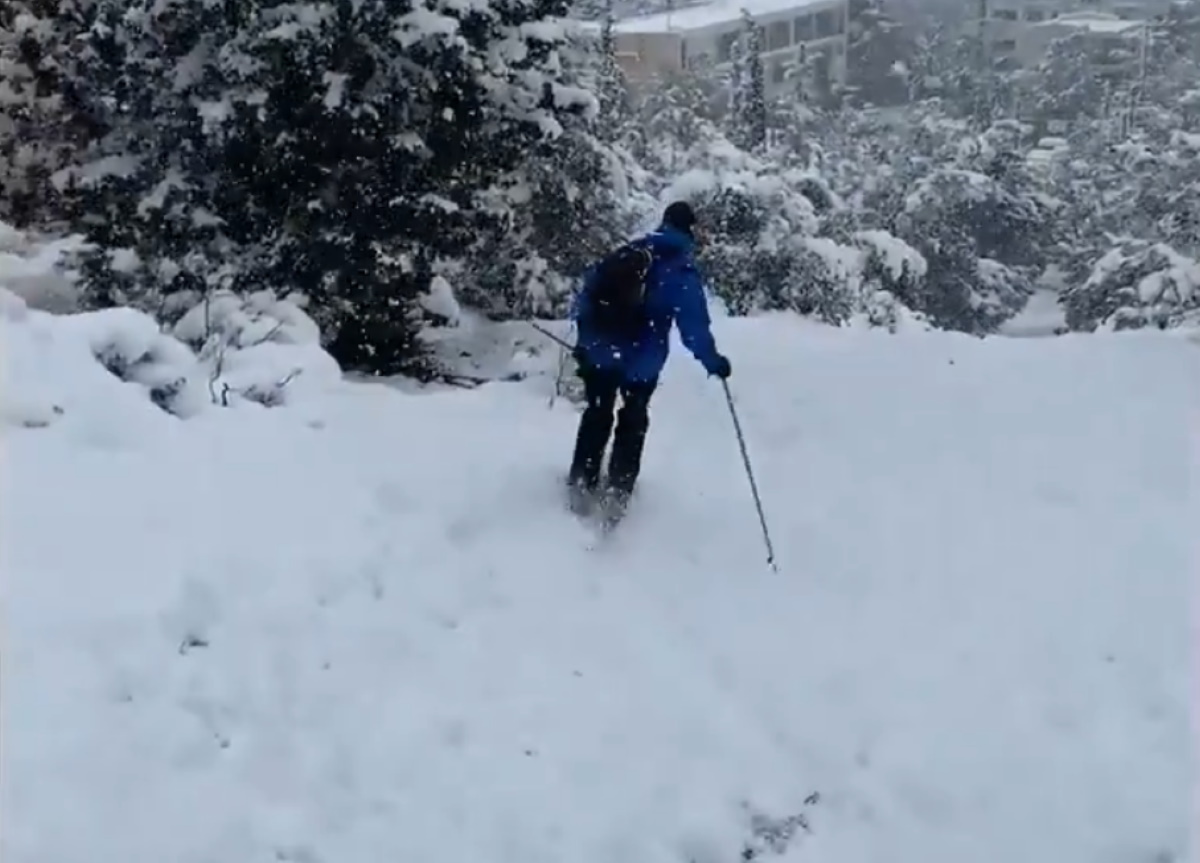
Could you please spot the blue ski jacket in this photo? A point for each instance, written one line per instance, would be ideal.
(674, 294)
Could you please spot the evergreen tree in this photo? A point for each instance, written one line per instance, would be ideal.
(611, 87)
(879, 55)
(563, 207)
(750, 113)
(340, 148)
(1173, 61)
(40, 127)
(678, 113)
(160, 189)
(1065, 83)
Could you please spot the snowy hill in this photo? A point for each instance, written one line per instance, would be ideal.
(360, 626)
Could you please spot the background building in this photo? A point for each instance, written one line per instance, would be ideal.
(1106, 33)
(791, 32)
(1022, 29)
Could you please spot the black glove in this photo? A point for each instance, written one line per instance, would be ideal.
(720, 367)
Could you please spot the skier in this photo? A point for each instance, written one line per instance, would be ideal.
(623, 315)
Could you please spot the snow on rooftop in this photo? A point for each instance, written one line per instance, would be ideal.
(1093, 22)
(715, 14)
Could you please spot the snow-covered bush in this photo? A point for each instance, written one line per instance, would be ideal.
(224, 352)
(132, 347)
(1139, 284)
(33, 267)
(1001, 224)
(891, 277)
(754, 219)
(257, 348)
(24, 403)
(981, 246)
(55, 364)
(1129, 213)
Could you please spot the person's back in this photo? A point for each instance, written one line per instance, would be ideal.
(624, 342)
(674, 293)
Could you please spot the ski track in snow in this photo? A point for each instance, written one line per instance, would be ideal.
(366, 628)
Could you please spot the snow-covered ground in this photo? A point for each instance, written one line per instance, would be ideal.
(360, 626)
(1041, 316)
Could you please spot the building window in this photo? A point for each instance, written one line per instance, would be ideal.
(725, 44)
(1005, 14)
(778, 72)
(804, 29)
(779, 35)
(1005, 46)
(1035, 15)
(683, 54)
(827, 23)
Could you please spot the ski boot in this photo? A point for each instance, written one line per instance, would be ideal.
(581, 498)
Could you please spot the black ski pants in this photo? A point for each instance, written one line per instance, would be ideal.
(596, 425)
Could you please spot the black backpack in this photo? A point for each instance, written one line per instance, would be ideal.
(619, 289)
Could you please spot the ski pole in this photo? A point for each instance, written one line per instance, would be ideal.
(562, 365)
(562, 357)
(545, 332)
(762, 519)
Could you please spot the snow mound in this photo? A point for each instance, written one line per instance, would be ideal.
(118, 370)
(30, 267)
(82, 366)
(367, 630)
(259, 348)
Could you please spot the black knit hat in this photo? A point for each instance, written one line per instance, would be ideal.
(680, 215)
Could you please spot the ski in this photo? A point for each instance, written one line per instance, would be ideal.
(581, 502)
(612, 513)
(603, 512)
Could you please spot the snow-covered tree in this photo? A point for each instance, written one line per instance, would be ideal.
(391, 159)
(152, 190)
(552, 217)
(948, 65)
(341, 149)
(879, 55)
(1067, 83)
(1139, 284)
(680, 111)
(40, 126)
(610, 84)
(749, 117)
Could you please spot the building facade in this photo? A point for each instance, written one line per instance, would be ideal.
(1021, 30)
(1108, 34)
(791, 32)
